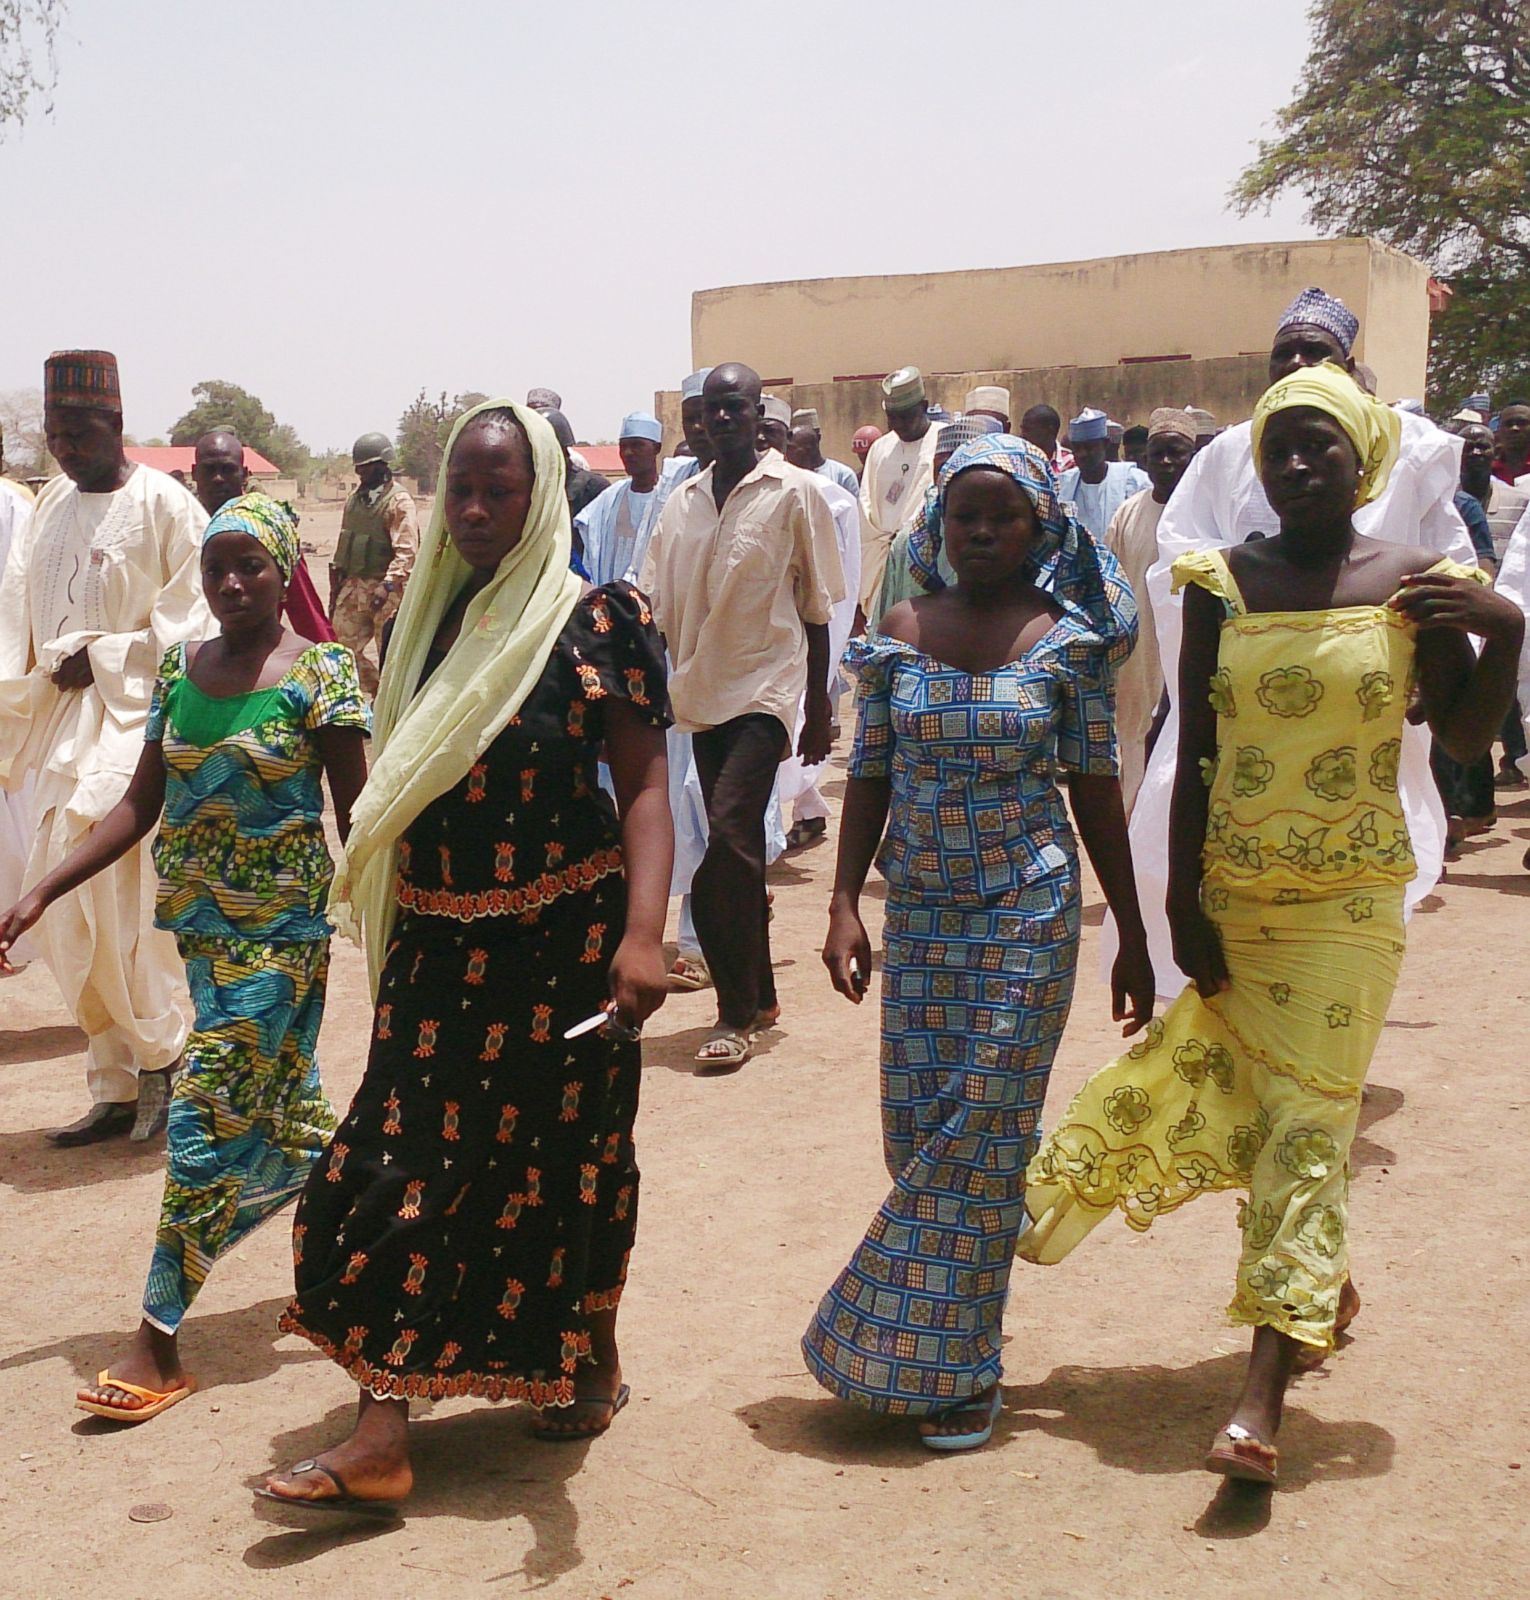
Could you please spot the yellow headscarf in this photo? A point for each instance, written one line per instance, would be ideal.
(1375, 430)
(423, 743)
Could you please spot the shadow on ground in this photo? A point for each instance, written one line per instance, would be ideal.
(482, 1465)
(223, 1348)
(1136, 1419)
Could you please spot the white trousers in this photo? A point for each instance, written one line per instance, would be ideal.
(120, 976)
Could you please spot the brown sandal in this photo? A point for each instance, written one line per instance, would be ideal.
(1237, 1453)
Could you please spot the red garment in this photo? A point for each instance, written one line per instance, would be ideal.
(1507, 474)
(304, 610)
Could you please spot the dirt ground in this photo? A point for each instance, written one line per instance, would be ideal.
(1404, 1463)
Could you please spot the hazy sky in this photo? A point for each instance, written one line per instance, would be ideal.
(334, 203)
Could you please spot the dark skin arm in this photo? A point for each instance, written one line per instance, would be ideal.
(1101, 819)
(847, 950)
(635, 752)
(343, 752)
(128, 822)
(1197, 949)
(1464, 696)
(816, 739)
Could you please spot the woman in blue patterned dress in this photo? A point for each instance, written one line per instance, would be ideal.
(240, 728)
(973, 700)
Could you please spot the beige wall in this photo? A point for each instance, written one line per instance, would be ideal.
(1207, 304)
(1227, 388)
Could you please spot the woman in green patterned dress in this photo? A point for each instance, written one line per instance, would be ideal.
(240, 728)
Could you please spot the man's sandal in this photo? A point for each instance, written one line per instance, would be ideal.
(341, 1500)
(1237, 1453)
(726, 1047)
(548, 1434)
(154, 1400)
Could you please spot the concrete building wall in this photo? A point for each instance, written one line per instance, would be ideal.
(1202, 304)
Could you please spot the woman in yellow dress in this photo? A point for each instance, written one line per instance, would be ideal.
(1289, 854)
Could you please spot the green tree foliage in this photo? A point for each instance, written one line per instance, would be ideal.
(28, 65)
(423, 431)
(225, 405)
(1411, 123)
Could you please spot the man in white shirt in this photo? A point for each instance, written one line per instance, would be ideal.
(98, 586)
(900, 466)
(744, 576)
(1096, 486)
(618, 523)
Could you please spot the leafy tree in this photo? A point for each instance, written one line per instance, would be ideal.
(28, 65)
(423, 431)
(226, 405)
(1411, 123)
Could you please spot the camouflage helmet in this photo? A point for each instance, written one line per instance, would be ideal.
(372, 447)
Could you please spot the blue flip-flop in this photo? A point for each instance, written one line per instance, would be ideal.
(948, 1442)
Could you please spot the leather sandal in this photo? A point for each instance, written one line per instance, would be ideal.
(1237, 1453)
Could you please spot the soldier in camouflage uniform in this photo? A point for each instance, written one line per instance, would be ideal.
(379, 536)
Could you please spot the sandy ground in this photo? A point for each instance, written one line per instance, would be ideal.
(731, 1474)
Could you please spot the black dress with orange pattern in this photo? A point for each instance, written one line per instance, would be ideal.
(479, 1200)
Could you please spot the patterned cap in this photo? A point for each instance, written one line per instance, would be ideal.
(904, 389)
(82, 378)
(690, 389)
(777, 410)
(544, 399)
(1167, 420)
(963, 430)
(1320, 309)
(807, 417)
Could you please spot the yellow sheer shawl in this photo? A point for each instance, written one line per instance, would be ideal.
(425, 739)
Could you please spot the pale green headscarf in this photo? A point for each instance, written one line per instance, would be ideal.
(424, 743)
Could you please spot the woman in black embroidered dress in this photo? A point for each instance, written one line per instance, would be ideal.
(468, 1233)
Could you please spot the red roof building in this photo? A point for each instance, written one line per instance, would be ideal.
(180, 458)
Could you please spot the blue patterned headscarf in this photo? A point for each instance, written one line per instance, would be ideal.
(1082, 576)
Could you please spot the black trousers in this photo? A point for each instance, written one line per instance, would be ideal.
(1466, 788)
(736, 763)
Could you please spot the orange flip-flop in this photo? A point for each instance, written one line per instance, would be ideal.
(154, 1400)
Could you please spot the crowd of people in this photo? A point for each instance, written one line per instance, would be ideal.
(1254, 669)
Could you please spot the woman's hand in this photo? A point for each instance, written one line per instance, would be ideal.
(1132, 990)
(1438, 600)
(16, 921)
(847, 951)
(638, 980)
(1198, 949)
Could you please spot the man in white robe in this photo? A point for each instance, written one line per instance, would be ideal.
(810, 447)
(796, 784)
(17, 813)
(1095, 486)
(1220, 501)
(618, 523)
(99, 585)
(1132, 538)
(900, 466)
